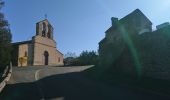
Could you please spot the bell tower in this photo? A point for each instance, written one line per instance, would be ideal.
(44, 29)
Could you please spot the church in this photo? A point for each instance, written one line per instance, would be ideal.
(40, 50)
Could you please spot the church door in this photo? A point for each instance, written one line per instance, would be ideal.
(46, 57)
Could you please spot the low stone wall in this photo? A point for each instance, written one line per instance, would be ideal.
(5, 77)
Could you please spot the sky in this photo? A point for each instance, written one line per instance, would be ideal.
(78, 24)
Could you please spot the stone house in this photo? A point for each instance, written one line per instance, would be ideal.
(131, 46)
(133, 24)
(41, 50)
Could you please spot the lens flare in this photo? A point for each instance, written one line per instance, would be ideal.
(133, 50)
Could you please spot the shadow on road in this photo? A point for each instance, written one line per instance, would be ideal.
(71, 86)
(20, 91)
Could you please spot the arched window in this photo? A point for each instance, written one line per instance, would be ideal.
(43, 29)
(49, 35)
(49, 31)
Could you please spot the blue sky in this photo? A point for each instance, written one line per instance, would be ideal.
(79, 24)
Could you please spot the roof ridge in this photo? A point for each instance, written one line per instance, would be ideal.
(136, 11)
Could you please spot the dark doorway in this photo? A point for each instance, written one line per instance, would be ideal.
(46, 57)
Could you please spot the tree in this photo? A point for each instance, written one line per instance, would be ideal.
(85, 58)
(5, 40)
(88, 58)
(70, 59)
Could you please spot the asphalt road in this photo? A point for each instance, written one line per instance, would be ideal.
(65, 83)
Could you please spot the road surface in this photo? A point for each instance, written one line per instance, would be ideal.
(65, 83)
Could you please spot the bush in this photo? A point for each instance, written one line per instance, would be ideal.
(88, 58)
(85, 58)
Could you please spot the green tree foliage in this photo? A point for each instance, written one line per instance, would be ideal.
(88, 58)
(5, 40)
(85, 58)
(71, 61)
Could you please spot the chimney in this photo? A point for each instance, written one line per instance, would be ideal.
(114, 21)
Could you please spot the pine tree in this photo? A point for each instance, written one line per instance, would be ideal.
(5, 39)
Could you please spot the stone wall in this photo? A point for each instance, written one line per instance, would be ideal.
(148, 57)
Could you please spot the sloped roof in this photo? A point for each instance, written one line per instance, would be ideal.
(59, 52)
(137, 11)
(23, 42)
(103, 40)
(129, 16)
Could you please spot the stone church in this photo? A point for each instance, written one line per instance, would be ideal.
(41, 50)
